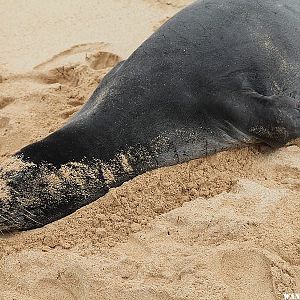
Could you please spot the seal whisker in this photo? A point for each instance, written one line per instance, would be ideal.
(4, 218)
(27, 211)
(33, 220)
(9, 215)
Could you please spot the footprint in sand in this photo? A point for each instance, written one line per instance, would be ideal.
(103, 60)
(73, 55)
(68, 75)
(69, 66)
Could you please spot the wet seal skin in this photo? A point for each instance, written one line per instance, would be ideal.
(218, 75)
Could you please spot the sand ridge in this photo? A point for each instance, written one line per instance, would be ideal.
(220, 227)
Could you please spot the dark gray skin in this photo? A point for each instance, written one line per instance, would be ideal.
(220, 74)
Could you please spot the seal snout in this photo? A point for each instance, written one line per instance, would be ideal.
(18, 210)
(32, 195)
(14, 217)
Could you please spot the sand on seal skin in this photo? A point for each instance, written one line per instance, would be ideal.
(221, 227)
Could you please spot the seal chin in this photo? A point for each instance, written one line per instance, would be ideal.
(35, 195)
(18, 209)
(15, 217)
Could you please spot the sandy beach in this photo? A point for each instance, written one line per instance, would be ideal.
(221, 227)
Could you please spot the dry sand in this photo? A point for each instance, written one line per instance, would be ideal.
(223, 227)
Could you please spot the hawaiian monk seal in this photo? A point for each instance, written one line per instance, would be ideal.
(220, 74)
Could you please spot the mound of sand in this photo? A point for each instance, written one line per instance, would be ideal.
(221, 227)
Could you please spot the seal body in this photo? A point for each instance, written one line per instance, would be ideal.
(220, 74)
